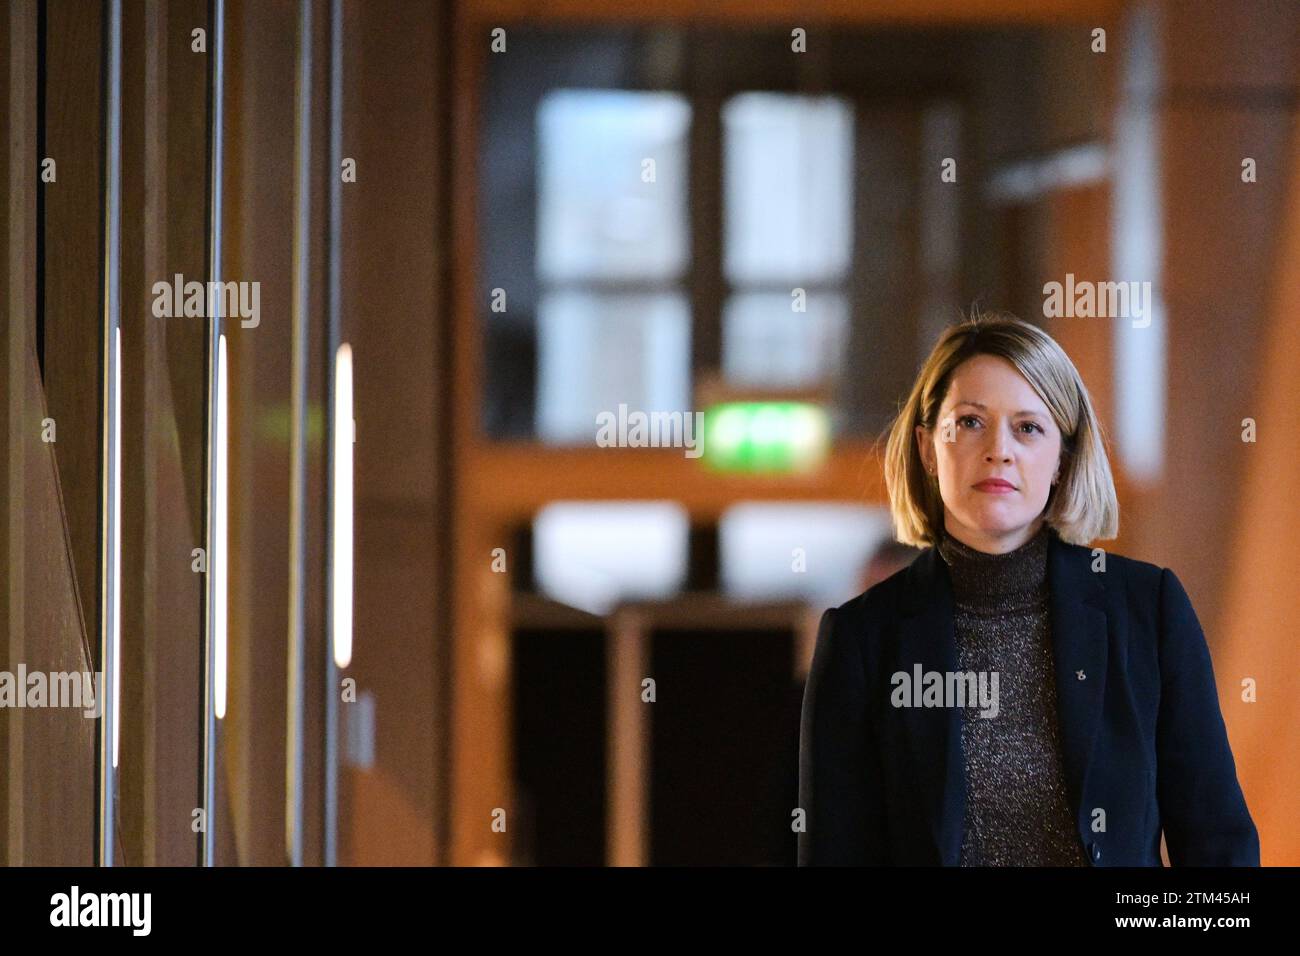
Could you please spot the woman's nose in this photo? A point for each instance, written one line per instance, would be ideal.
(999, 446)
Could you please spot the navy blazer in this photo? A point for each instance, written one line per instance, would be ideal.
(1142, 736)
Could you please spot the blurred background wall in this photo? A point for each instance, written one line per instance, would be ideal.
(476, 228)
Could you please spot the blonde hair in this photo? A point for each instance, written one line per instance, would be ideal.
(1081, 507)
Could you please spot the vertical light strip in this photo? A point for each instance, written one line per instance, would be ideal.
(117, 542)
(214, 640)
(342, 551)
(293, 816)
(110, 463)
(1138, 249)
(334, 617)
(220, 563)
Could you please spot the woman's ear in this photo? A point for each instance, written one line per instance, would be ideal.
(925, 445)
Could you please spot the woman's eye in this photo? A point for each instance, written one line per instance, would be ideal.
(1033, 426)
(967, 418)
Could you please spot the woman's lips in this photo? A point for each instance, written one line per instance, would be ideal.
(994, 487)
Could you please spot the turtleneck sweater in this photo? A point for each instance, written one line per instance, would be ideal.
(1017, 809)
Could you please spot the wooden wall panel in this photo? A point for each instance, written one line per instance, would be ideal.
(394, 315)
(47, 756)
(1228, 512)
(1221, 240)
(261, 43)
(53, 787)
(746, 12)
(73, 287)
(396, 103)
(1257, 639)
(164, 443)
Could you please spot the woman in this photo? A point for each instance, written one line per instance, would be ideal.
(1013, 698)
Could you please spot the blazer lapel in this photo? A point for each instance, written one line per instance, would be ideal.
(927, 638)
(1079, 646)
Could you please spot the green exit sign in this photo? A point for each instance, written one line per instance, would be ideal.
(765, 436)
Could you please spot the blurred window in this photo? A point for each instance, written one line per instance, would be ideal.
(815, 551)
(612, 185)
(592, 555)
(613, 325)
(787, 214)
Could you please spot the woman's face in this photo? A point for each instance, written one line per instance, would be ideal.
(992, 426)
